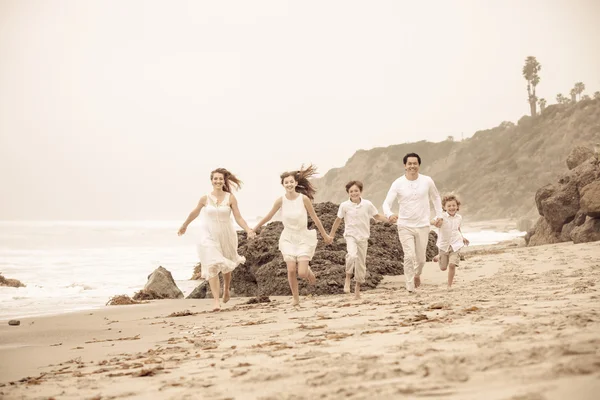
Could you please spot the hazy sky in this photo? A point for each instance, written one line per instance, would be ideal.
(120, 109)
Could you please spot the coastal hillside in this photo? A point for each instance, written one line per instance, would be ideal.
(496, 172)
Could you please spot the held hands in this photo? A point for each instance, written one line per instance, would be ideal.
(393, 219)
(327, 239)
(181, 230)
(438, 222)
(251, 234)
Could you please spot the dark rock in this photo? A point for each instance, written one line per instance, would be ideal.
(200, 291)
(14, 322)
(144, 294)
(579, 218)
(570, 209)
(590, 199)
(578, 155)
(542, 194)
(565, 233)
(560, 208)
(10, 282)
(584, 174)
(432, 249)
(543, 234)
(160, 285)
(259, 299)
(588, 232)
(265, 272)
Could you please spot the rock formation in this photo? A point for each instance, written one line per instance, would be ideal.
(10, 282)
(160, 285)
(265, 272)
(570, 209)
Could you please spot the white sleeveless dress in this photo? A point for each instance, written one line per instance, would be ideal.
(296, 242)
(218, 239)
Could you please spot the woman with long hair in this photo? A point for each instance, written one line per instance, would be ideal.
(297, 243)
(218, 239)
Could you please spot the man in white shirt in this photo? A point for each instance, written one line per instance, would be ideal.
(413, 192)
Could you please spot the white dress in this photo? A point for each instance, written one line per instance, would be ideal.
(218, 239)
(296, 241)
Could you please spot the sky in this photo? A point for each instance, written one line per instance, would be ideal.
(119, 109)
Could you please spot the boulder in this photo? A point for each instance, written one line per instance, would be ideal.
(588, 232)
(561, 206)
(590, 199)
(578, 155)
(542, 194)
(265, 272)
(10, 282)
(160, 285)
(200, 291)
(579, 218)
(543, 234)
(432, 249)
(584, 174)
(565, 233)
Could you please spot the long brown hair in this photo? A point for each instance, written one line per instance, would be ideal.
(230, 179)
(302, 177)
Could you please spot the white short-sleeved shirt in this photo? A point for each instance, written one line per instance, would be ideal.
(357, 218)
(450, 236)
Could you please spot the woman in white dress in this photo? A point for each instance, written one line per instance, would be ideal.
(297, 243)
(218, 239)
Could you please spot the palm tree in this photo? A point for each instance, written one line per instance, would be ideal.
(530, 73)
(579, 88)
(542, 103)
(585, 97)
(560, 99)
(596, 95)
(573, 94)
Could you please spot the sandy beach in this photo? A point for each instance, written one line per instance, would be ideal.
(520, 323)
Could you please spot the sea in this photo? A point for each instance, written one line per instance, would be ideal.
(79, 265)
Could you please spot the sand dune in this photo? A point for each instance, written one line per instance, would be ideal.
(520, 323)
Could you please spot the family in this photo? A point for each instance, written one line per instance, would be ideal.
(414, 192)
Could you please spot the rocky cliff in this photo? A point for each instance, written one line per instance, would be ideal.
(496, 172)
(570, 209)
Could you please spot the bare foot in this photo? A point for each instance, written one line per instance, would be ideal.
(216, 309)
(357, 296)
(295, 303)
(226, 296)
(417, 281)
(347, 285)
(436, 258)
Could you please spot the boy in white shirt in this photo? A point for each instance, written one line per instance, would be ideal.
(356, 214)
(450, 239)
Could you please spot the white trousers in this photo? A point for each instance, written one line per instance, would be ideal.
(414, 245)
(356, 258)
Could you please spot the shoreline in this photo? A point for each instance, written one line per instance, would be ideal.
(472, 342)
(187, 286)
(57, 296)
